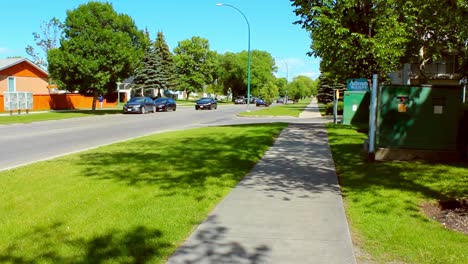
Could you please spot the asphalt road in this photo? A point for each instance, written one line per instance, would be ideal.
(22, 144)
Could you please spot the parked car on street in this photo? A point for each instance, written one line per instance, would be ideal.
(260, 102)
(280, 100)
(165, 104)
(206, 103)
(240, 100)
(139, 105)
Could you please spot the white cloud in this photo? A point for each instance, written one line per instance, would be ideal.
(293, 67)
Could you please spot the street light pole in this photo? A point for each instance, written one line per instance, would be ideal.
(248, 52)
(287, 81)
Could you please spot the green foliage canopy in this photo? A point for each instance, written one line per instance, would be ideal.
(194, 64)
(150, 75)
(98, 48)
(233, 72)
(300, 87)
(167, 73)
(354, 38)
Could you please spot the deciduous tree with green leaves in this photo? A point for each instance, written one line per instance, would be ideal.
(301, 86)
(437, 29)
(234, 72)
(354, 38)
(98, 48)
(268, 92)
(282, 83)
(194, 64)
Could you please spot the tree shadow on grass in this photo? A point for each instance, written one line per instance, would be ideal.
(440, 181)
(54, 244)
(196, 161)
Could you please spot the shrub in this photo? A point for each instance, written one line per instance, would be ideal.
(329, 108)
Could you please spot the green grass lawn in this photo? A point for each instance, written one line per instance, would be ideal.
(383, 203)
(35, 117)
(130, 202)
(279, 110)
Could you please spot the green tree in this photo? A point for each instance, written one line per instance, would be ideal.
(150, 75)
(98, 48)
(268, 92)
(231, 75)
(282, 83)
(327, 82)
(354, 38)
(234, 72)
(193, 64)
(46, 40)
(167, 63)
(437, 28)
(301, 87)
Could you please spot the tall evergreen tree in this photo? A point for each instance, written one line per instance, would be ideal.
(167, 63)
(150, 74)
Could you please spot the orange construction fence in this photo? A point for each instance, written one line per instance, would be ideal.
(64, 102)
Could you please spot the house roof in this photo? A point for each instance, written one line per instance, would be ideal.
(7, 63)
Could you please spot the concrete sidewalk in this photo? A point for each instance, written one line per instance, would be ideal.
(288, 209)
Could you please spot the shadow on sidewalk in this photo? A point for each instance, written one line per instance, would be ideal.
(210, 246)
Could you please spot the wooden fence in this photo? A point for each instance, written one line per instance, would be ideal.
(64, 102)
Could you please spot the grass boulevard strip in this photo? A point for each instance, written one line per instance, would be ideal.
(127, 202)
(383, 203)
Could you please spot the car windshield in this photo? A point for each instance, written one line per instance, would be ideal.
(160, 101)
(137, 100)
(204, 100)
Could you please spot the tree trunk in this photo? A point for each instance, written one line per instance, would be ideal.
(159, 93)
(95, 96)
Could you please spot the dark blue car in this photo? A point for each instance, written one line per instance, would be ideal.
(206, 103)
(260, 102)
(165, 104)
(141, 105)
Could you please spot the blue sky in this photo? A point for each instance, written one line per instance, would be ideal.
(270, 21)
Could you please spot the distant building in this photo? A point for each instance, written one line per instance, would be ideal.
(22, 75)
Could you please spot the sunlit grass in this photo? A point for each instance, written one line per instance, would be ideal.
(280, 109)
(131, 202)
(383, 203)
(36, 117)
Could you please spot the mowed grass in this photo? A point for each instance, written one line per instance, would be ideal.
(279, 109)
(130, 202)
(35, 117)
(383, 203)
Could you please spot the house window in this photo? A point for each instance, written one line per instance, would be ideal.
(11, 84)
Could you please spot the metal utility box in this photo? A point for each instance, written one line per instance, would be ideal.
(356, 102)
(413, 121)
(356, 108)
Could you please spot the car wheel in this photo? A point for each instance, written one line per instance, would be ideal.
(174, 108)
(143, 110)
